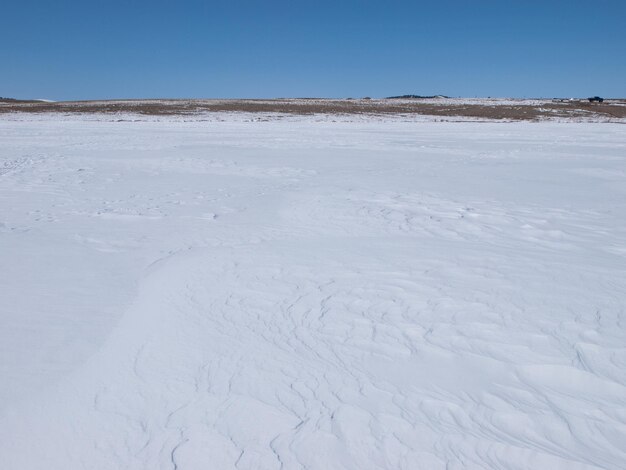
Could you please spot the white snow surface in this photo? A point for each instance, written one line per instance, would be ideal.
(296, 294)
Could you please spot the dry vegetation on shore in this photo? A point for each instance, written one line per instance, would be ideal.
(496, 109)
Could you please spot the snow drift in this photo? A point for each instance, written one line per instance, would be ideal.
(300, 294)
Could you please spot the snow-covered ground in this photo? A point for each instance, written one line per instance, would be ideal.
(312, 295)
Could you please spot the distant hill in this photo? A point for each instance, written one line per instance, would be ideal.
(14, 100)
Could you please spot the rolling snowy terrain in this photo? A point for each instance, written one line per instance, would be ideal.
(303, 294)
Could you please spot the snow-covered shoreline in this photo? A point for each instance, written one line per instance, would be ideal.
(234, 292)
(240, 116)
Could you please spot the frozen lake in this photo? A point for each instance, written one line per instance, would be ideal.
(304, 294)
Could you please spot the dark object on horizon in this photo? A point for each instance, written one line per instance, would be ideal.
(596, 98)
(405, 97)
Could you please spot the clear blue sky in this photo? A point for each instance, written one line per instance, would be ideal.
(87, 49)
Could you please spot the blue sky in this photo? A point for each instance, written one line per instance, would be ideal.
(68, 49)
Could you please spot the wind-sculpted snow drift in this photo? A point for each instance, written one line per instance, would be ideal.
(312, 295)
